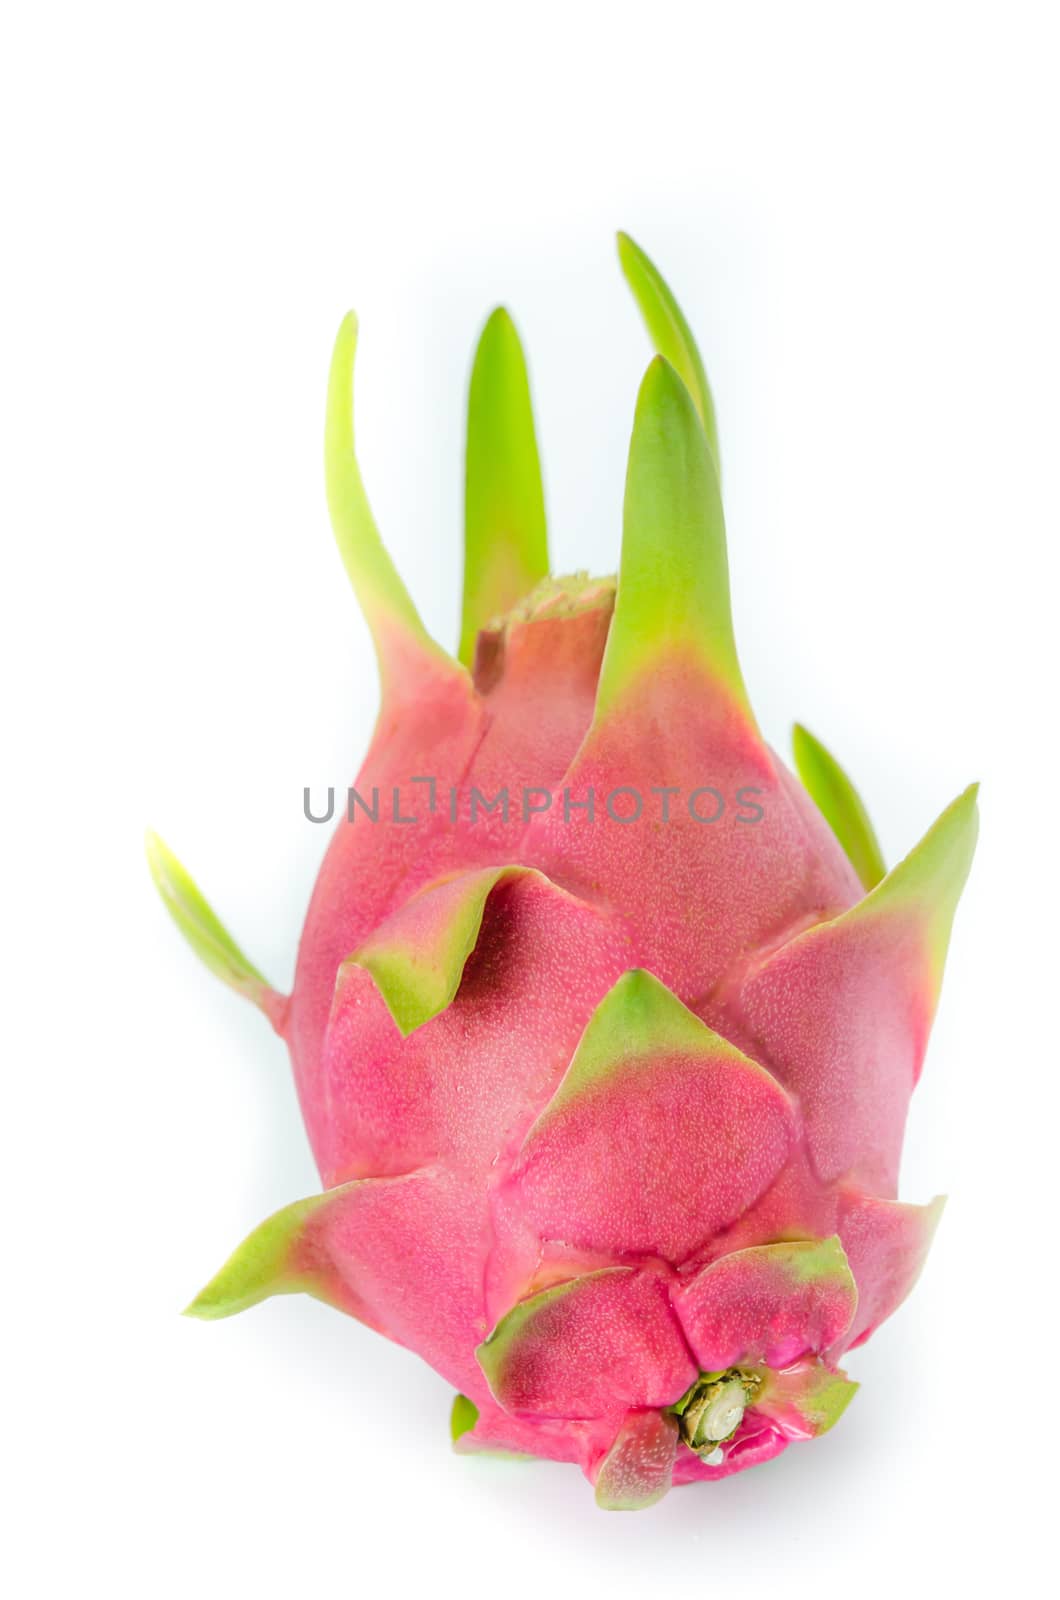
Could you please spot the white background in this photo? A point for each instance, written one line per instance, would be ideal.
(857, 208)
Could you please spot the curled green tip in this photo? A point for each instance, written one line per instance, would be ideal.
(669, 332)
(840, 805)
(927, 883)
(387, 606)
(266, 1263)
(418, 964)
(205, 1310)
(463, 1417)
(251, 1274)
(205, 933)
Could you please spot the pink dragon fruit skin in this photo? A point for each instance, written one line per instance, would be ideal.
(608, 1109)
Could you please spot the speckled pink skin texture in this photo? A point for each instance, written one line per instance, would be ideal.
(468, 1204)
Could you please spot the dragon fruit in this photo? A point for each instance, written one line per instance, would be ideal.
(604, 1026)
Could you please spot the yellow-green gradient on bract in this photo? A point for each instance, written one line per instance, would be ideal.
(840, 804)
(383, 598)
(417, 957)
(505, 535)
(669, 332)
(637, 1022)
(205, 933)
(809, 1391)
(266, 1264)
(637, 1470)
(673, 581)
(926, 886)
